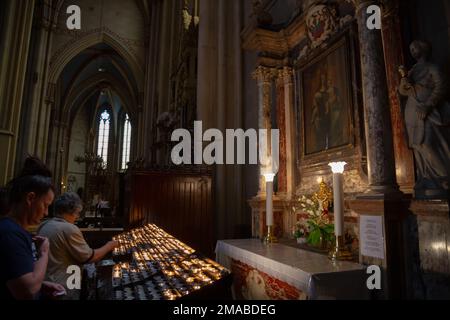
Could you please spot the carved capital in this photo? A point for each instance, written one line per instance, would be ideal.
(284, 76)
(264, 74)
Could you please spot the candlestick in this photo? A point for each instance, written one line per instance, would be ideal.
(339, 251)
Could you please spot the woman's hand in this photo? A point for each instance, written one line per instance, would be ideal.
(53, 290)
(113, 244)
(43, 244)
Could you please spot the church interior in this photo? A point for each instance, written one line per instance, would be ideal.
(356, 188)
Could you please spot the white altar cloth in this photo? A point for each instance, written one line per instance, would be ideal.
(310, 272)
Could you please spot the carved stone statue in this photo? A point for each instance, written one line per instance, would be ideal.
(427, 119)
(166, 122)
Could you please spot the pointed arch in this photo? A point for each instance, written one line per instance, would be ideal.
(63, 56)
(128, 100)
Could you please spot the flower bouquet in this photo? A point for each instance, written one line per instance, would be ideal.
(320, 229)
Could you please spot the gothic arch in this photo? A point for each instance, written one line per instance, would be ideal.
(129, 102)
(69, 51)
(75, 91)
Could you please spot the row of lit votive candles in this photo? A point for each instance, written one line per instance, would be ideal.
(183, 270)
(125, 247)
(125, 273)
(147, 232)
(126, 243)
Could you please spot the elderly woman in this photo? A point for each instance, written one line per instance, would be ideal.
(67, 244)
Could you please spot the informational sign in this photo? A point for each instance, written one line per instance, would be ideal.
(371, 236)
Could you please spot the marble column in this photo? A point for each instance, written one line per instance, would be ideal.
(263, 76)
(378, 128)
(288, 76)
(281, 121)
(394, 57)
(287, 147)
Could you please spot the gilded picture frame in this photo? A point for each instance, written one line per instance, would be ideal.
(329, 111)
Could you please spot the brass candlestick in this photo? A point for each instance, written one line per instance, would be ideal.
(339, 252)
(270, 237)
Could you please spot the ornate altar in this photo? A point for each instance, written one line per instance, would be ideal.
(282, 272)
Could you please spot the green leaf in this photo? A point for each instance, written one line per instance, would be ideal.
(314, 237)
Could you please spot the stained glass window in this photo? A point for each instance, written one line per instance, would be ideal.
(126, 142)
(103, 137)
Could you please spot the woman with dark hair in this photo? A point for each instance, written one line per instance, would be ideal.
(34, 167)
(24, 258)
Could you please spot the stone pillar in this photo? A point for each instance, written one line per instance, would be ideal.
(378, 128)
(153, 81)
(219, 103)
(264, 75)
(13, 60)
(393, 53)
(383, 197)
(35, 119)
(207, 57)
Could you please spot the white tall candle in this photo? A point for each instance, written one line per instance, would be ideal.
(269, 203)
(338, 196)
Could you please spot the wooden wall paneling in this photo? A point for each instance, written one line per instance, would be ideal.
(179, 202)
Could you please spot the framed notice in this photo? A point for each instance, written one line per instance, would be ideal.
(372, 236)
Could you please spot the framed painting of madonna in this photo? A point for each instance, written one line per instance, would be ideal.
(327, 103)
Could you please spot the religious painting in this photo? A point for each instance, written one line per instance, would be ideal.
(326, 101)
